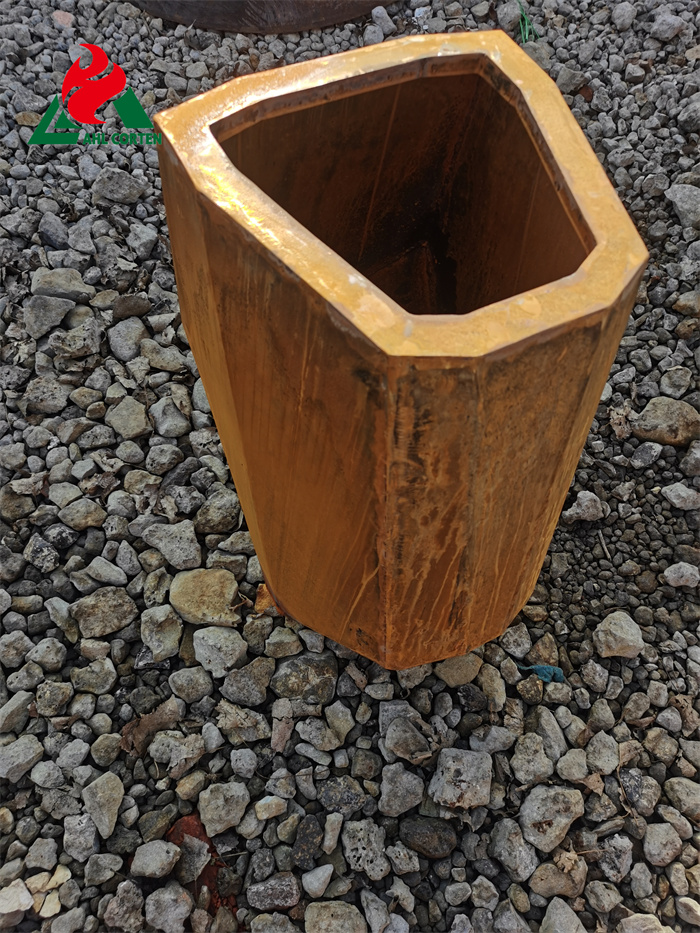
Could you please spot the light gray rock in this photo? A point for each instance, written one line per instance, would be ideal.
(169, 420)
(129, 419)
(161, 630)
(169, 907)
(586, 508)
(191, 684)
(43, 853)
(462, 779)
(15, 713)
(530, 764)
(547, 813)
(602, 754)
(43, 313)
(682, 574)
(19, 757)
(177, 543)
(363, 845)
(662, 844)
(125, 910)
(560, 918)
(154, 859)
(15, 900)
(372, 35)
(681, 497)
(102, 800)
(517, 856)
(619, 636)
(686, 203)
(382, 19)
(375, 910)
(602, 896)
(80, 837)
(218, 649)
(623, 15)
(101, 868)
(333, 917)
(61, 283)
(221, 806)
(666, 26)
(684, 794)
(400, 790)
(115, 185)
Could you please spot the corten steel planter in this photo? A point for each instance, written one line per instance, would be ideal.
(404, 276)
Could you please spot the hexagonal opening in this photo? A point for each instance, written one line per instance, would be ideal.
(432, 188)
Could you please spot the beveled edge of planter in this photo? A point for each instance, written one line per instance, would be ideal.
(614, 261)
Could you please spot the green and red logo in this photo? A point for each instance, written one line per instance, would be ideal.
(83, 91)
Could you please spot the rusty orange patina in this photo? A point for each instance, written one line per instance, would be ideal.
(404, 276)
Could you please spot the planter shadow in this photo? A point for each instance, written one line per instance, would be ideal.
(404, 276)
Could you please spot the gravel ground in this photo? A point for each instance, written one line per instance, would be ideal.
(163, 759)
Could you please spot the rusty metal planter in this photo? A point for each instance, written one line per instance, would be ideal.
(404, 276)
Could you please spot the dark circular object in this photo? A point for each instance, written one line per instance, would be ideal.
(267, 17)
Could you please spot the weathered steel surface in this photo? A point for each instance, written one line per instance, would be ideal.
(262, 16)
(404, 276)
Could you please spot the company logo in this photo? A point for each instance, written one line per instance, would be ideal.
(82, 94)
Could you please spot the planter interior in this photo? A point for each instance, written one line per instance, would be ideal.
(433, 189)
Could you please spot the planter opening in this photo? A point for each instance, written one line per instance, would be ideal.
(432, 188)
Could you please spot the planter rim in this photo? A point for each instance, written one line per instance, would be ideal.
(192, 132)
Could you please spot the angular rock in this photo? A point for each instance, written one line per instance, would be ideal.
(125, 911)
(102, 800)
(79, 837)
(310, 677)
(684, 794)
(667, 420)
(155, 859)
(161, 630)
(333, 917)
(61, 283)
(113, 184)
(221, 806)
(205, 597)
(547, 813)
(129, 419)
(363, 845)
(401, 790)
(560, 918)
(19, 757)
(15, 713)
(462, 779)
(178, 544)
(618, 635)
(248, 685)
(506, 844)
(168, 908)
(279, 892)
(107, 610)
(218, 649)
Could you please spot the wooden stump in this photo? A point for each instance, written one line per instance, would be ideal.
(404, 276)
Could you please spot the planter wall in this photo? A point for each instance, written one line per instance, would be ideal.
(404, 276)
